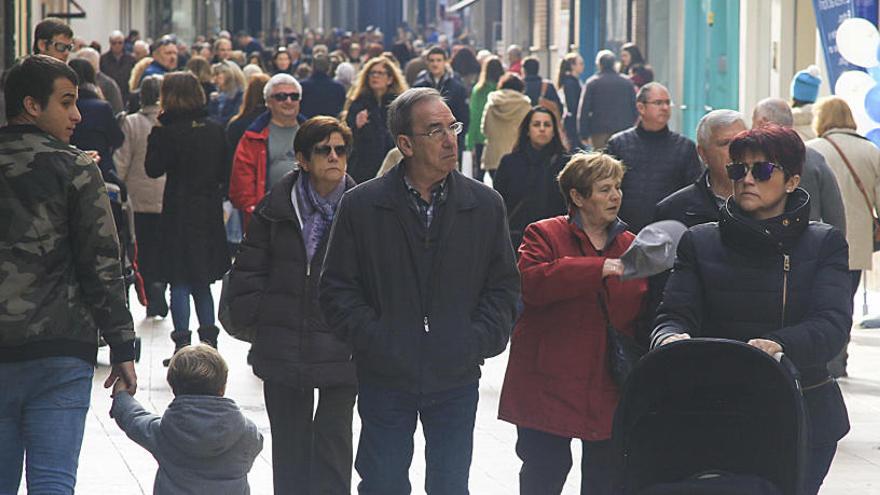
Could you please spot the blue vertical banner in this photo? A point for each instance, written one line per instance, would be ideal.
(829, 15)
(866, 9)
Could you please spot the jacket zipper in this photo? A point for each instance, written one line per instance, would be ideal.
(786, 267)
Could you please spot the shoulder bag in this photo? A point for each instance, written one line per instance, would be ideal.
(861, 187)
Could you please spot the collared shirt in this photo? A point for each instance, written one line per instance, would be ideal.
(427, 210)
(719, 201)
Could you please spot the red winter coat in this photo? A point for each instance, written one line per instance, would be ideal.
(557, 377)
(247, 183)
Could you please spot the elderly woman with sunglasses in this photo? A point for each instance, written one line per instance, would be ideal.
(274, 289)
(767, 276)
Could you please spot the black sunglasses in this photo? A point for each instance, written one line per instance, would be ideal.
(324, 150)
(279, 97)
(761, 171)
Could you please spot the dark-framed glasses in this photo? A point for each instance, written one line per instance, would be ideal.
(280, 97)
(439, 133)
(325, 149)
(761, 171)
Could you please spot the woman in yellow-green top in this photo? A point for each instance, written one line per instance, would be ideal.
(490, 73)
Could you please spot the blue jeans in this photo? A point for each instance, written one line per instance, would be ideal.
(385, 450)
(180, 305)
(42, 417)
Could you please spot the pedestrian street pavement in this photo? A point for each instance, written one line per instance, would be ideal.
(111, 464)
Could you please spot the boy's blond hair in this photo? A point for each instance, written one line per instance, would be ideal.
(197, 370)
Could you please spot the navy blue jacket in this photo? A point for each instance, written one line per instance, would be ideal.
(98, 131)
(658, 163)
(455, 93)
(372, 141)
(321, 95)
(784, 279)
(572, 88)
(608, 105)
(533, 91)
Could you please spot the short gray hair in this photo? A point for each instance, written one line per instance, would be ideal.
(88, 54)
(400, 110)
(280, 78)
(149, 90)
(775, 110)
(644, 91)
(605, 60)
(116, 34)
(714, 120)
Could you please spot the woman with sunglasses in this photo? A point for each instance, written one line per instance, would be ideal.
(273, 288)
(366, 113)
(767, 276)
(526, 178)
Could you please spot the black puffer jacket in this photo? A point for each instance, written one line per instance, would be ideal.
(690, 205)
(373, 140)
(730, 280)
(275, 290)
(658, 163)
(526, 180)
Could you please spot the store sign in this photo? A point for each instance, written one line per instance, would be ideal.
(829, 15)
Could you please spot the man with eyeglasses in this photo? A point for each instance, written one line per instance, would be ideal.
(265, 152)
(608, 103)
(658, 161)
(54, 38)
(118, 64)
(421, 278)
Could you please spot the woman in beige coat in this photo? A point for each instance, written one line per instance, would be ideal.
(145, 193)
(834, 124)
(505, 110)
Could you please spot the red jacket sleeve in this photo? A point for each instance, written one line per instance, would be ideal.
(547, 279)
(243, 179)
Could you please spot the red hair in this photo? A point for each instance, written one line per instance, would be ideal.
(780, 145)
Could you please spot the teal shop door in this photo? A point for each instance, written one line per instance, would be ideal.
(711, 62)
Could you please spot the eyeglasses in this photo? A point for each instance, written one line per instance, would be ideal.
(660, 103)
(62, 47)
(165, 40)
(280, 97)
(378, 73)
(761, 171)
(439, 133)
(324, 150)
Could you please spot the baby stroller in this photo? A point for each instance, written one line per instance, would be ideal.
(124, 219)
(715, 416)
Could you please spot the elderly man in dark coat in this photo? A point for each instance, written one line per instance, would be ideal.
(421, 278)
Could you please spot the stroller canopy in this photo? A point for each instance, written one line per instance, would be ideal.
(703, 405)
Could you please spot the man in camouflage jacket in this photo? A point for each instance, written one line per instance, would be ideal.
(61, 284)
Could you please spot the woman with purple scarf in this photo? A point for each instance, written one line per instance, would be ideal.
(274, 289)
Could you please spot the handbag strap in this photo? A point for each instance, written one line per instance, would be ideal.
(855, 177)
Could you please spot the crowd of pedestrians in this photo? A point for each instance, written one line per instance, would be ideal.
(321, 178)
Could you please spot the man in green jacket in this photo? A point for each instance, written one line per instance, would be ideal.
(61, 285)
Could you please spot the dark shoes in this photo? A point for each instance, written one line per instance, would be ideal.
(208, 335)
(181, 338)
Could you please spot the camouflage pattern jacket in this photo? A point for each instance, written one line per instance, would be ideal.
(61, 284)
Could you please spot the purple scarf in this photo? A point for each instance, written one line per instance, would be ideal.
(317, 212)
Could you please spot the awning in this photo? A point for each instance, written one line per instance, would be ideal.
(461, 5)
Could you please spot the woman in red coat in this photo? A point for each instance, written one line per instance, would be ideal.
(558, 385)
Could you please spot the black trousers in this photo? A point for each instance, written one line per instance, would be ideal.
(149, 238)
(547, 461)
(311, 454)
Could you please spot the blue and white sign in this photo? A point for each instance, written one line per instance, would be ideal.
(829, 15)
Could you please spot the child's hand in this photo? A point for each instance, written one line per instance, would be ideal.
(119, 386)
